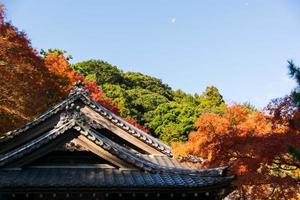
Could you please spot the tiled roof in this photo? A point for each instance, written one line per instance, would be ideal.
(149, 173)
(106, 178)
(170, 162)
(79, 93)
(35, 143)
(97, 138)
(11, 134)
(145, 171)
(145, 164)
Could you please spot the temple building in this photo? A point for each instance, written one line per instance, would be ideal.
(81, 150)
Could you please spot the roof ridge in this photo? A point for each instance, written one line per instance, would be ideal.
(85, 129)
(74, 94)
(129, 128)
(36, 143)
(79, 92)
(55, 109)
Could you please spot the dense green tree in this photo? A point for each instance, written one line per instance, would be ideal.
(144, 100)
(134, 103)
(294, 72)
(210, 101)
(180, 96)
(135, 93)
(173, 121)
(169, 114)
(105, 73)
(121, 98)
(138, 80)
(100, 71)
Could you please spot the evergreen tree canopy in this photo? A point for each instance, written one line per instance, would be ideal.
(169, 114)
(294, 72)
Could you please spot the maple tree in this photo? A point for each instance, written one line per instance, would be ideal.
(30, 83)
(25, 87)
(61, 70)
(252, 145)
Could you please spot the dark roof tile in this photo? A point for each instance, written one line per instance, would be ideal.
(80, 93)
(93, 177)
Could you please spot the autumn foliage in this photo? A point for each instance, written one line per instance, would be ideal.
(62, 72)
(254, 144)
(254, 147)
(31, 83)
(25, 86)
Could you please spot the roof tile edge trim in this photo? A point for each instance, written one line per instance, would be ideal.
(78, 92)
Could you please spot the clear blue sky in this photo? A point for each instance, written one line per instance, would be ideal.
(240, 46)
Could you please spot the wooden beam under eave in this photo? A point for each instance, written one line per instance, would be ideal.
(119, 131)
(94, 148)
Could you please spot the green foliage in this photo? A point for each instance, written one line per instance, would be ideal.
(173, 121)
(105, 73)
(295, 152)
(182, 97)
(170, 115)
(144, 101)
(250, 106)
(294, 72)
(138, 80)
(210, 101)
(120, 97)
(100, 71)
(134, 103)
(134, 93)
(57, 52)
